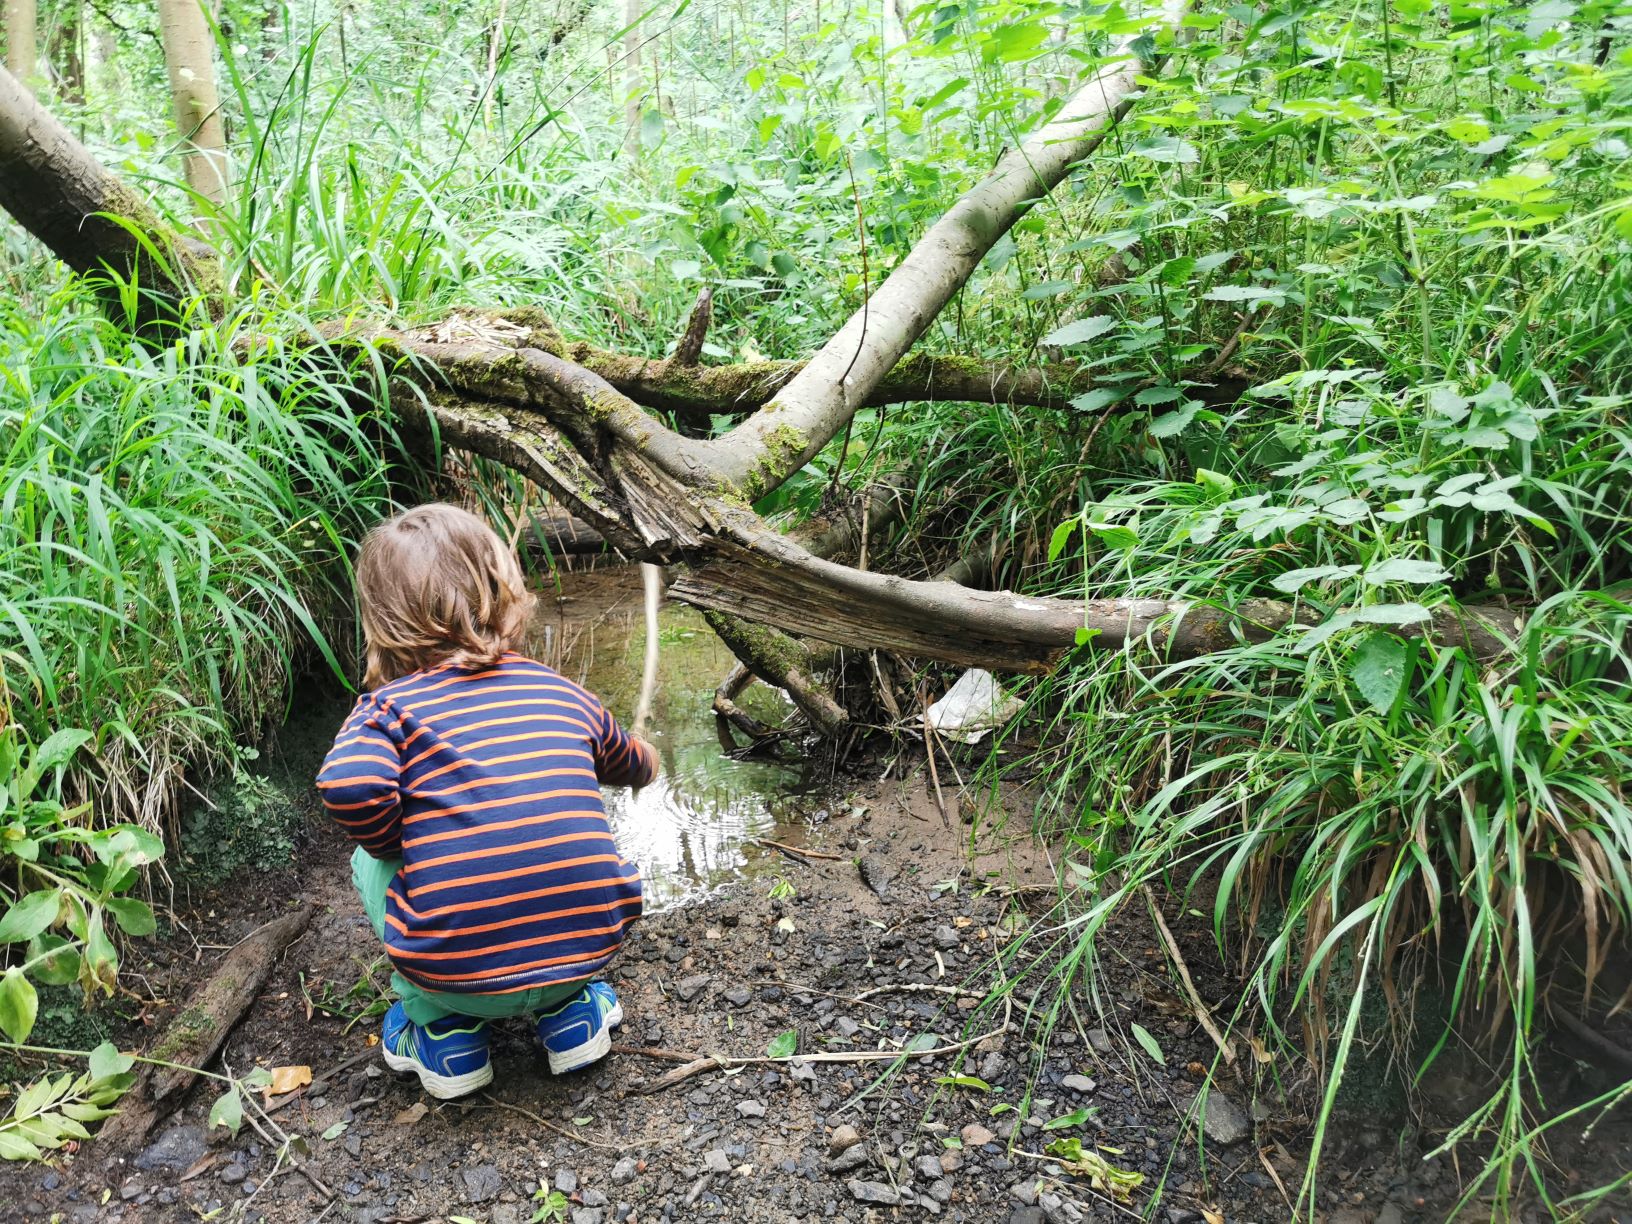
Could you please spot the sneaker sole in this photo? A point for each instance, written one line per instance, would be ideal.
(444, 1087)
(593, 1050)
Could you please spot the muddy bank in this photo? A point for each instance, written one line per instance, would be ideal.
(900, 932)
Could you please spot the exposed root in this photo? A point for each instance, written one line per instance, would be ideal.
(777, 659)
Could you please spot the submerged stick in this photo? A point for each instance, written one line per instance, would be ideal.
(651, 577)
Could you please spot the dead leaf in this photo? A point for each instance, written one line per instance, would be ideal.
(201, 1165)
(1211, 1216)
(287, 1079)
(412, 1114)
(1258, 1050)
(373, 1039)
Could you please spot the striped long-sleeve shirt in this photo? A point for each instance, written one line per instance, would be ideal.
(486, 782)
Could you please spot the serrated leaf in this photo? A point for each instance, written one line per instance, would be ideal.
(1151, 396)
(1149, 1044)
(1376, 614)
(1172, 424)
(783, 1045)
(1099, 398)
(1168, 149)
(1079, 332)
(1378, 670)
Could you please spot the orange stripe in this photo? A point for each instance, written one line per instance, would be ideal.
(536, 941)
(491, 761)
(365, 756)
(513, 873)
(469, 856)
(515, 898)
(519, 822)
(522, 920)
(354, 807)
(355, 780)
(519, 719)
(605, 954)
(535, 775)
(403, 694)
(530, 703)
(352, 827)
(507, 689)
(511, 970)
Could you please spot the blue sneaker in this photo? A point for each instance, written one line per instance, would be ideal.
(579, 1032)
(448, 1055)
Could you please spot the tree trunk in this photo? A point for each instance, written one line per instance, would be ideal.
(189, 55)
(89, 219)
(68, 53)
(789, 431)
(22, 40)
(631, 77)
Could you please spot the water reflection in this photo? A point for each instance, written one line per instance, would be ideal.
(687, 831)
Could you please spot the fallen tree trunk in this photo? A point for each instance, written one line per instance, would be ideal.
(90, 219)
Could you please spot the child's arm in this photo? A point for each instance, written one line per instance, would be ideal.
(360, 781)
(622, 759)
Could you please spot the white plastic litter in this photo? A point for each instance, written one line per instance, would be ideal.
(973, 708)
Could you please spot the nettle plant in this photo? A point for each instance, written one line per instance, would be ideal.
(61, 881)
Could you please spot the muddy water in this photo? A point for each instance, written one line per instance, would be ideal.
(692, 829)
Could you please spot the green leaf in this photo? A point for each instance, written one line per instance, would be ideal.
(921, 1042)
(1403, 569)
(1294, 581)
(1376, 614)
(30, 916)
(101, 961)
(134, 917)
(1075, 1118)
(1171, 424)
(1079, 332)
(1152, 396)
(1112, 535)
(784, 263)
(1378, 670)
(964, 1081)
(1061, 537)
(1168, 149)
(56, 960)
(14, 1147)
(1098, 398)
(106, 1061)
(783, 1044)
(19, 1004)
(228, 1111)
(335, 1131)
(1142, 1035)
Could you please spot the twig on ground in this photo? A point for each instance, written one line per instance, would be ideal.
(698, 1064)
(1103, 1198)
(1276, 1178)
(278, 1137)
(1196, 1005)
(564, 1132)
(799, 852)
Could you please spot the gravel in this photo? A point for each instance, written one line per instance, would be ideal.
(625, 1171)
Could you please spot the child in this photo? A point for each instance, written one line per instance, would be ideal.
(469, 776)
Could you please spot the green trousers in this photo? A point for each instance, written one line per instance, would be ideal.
(372, 877)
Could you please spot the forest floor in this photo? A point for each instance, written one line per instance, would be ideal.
(903, 940)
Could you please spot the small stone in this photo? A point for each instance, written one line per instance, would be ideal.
(177, 1150)
(750, 1109)
(875, 1192)
(842, 1140)
(1024, 1192)
(1222, 1122)
(976, 1135)
(566, 1181)
(849, 1160)
(1028, 1215)
(846, 1027)
(506, 1213)
(1078, 1083)
(739, 997)
(951, 1162)
(929, 1168)
(947, 937)
(940, 1190)
(1099, 1040)
(1390, 1213)
(51, 1180)
(130, 1190)
(802, 1072)
(625, 1171)
(354, 1143)
(482, 1182)
(587, 1215)
(688, 988)
(717, 1161)
(234, 1173)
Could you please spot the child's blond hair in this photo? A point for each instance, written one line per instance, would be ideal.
(436, 586)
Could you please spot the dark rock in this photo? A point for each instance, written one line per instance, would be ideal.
(234, 1173)
(849, 1160)
(1222, 1122)
(947, 937)
(354, 1144)
(625, 1171)
(1078, 1083)
(876, 874)
(592, 1198)
(130, 1190)
(177, 1150)
(51, 1180)
(802, 1072)
(875, 1192)
(929, 1168)
(689, 988)
(739, 997)
(482, 1182)
(846, 1027)
(1101, 1042)
(566, 1181)
(1028, 1215)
